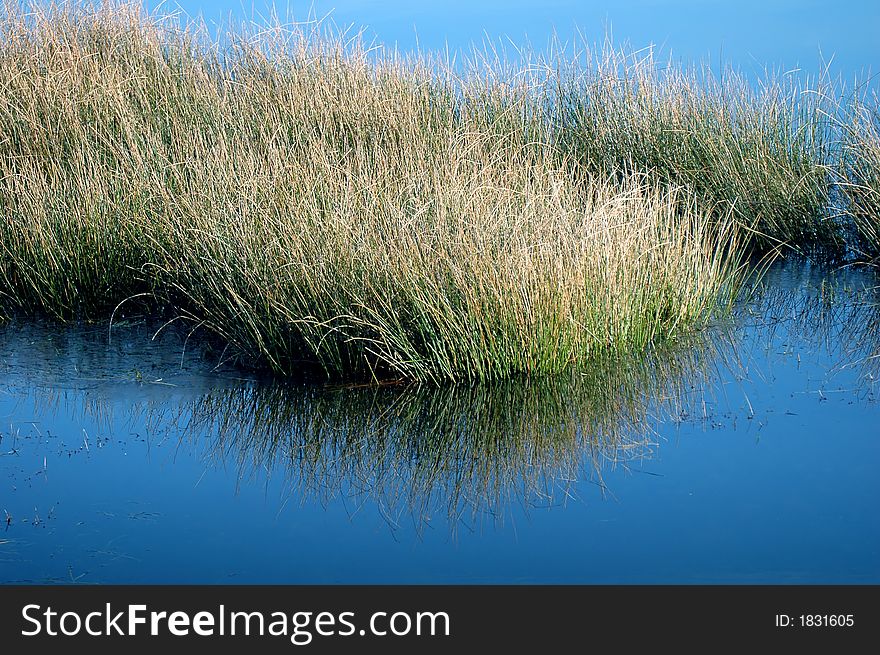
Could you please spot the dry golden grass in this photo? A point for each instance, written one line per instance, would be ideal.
(757, 151)
(316, 204)
(860, 163)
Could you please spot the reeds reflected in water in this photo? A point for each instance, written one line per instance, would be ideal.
(460, 453)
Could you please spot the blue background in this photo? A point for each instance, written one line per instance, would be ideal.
(749, 35)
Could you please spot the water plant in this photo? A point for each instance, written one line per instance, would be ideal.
(860, 172)
(318, 204)
(760, 150)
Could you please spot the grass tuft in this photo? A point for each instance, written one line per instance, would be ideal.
(756, 152)
(860, 163)
(320, 204)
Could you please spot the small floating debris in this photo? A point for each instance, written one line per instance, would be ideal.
(150, 516)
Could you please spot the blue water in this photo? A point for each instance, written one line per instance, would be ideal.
(747, 455)
(750, 35)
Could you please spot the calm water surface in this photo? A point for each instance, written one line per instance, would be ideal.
(747, 455)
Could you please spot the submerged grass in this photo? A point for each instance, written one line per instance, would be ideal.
(320, 204)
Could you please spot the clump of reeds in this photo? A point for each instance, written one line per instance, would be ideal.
(76, 158)
(861, 173)
(760, 152)
(318, 204)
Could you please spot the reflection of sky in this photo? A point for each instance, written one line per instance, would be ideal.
(749, 34)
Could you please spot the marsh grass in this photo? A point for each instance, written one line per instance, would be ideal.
(319, 204)
(316, 205)
(758, 150)
(860, 172)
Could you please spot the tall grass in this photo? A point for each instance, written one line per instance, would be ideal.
(758, 151)
(861, 172)
(320, 205)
